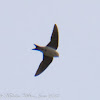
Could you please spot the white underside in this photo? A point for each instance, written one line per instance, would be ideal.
(48, 51)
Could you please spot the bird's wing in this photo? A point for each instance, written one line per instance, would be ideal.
(54, 38)
(44, 64)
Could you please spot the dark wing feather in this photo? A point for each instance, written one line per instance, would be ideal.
(54, 38)
(44, 64)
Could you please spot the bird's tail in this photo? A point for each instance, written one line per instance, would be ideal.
(36, 47)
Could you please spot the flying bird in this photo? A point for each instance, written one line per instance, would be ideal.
(49, 51)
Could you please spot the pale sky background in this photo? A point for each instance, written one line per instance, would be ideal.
(75, 75)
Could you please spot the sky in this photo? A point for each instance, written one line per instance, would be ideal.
(75, 75)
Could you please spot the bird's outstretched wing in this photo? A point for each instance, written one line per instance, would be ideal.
(44, 64)
(54, 38)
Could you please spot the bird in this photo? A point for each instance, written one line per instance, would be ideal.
(49, 51)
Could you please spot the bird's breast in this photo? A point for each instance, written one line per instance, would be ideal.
(48, 51)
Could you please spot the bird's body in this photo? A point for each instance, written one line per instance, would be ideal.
(48, 51)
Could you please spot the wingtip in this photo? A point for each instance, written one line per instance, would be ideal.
(36, 75)
(55, 25)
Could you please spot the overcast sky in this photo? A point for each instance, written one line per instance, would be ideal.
(75, 75)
